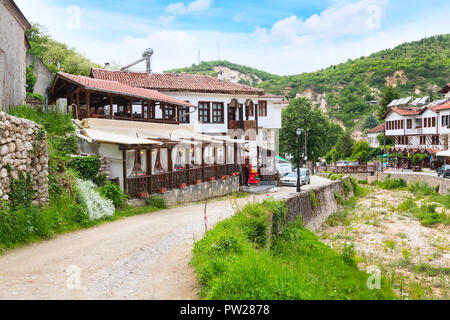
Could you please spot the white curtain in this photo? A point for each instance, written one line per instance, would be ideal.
(131, 162)
(144, 162)
(165, 159)
(154, 157)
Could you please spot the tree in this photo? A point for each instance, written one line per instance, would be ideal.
(389, 140)
(371, 122)
(322, 134)
(344, 145)
(389, 94)
(51, 52)
(361, 151)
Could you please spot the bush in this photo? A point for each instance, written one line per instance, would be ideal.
(113, 192)
(156, 202)
(87, 169)
(391, 184)
(22, 193)
(97, 207)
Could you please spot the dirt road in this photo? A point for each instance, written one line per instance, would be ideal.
(142, 257)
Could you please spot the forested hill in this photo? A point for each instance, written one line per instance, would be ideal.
(345, 90)
(242, 74)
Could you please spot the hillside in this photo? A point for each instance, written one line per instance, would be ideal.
(345, 90)
(231, 72)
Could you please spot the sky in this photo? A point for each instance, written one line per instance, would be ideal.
(283, 37)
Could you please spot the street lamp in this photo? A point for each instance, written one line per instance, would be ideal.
(299, 185)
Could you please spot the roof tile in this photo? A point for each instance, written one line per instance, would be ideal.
(175, 82)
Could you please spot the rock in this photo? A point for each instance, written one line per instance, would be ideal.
(3, 173)
(4, 150)
(19, 145)
(12, 147)
(5, 197)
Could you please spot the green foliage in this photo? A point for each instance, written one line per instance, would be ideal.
(348, 85)
(315, 203)
(30, 224)
(157, 202)
(348, 254)
(418, 159)
(113, 192)
(322, 134)
(30, 78)
(342, 150)
(390, 141)
(208, 69)
(47, 49)
(390, 184)
(55, 124)
(86, 167)
(371, 122)
(22, 193)
(389, 94)
(361, 151)
(426, 213)
(297, 266)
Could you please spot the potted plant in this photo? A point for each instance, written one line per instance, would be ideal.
(212, 179)
(183, 185)
(198, 181)
(163, 190)
(142, 195)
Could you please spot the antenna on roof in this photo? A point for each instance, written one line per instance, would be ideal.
(147, 57)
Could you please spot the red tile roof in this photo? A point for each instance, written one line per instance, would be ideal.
(407, 111)
(175, 82)
(443, 106)
(121, 89)
(377, 129)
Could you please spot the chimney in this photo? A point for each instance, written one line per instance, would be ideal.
(220, 75)
(107, 65)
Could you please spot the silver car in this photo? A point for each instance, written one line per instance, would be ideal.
(291, 179)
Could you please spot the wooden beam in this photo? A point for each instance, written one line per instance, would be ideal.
(111, 103)
(88, 103)
(124, 163)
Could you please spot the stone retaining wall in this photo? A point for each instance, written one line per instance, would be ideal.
(315, 214)
(23, 148)
(203, 191)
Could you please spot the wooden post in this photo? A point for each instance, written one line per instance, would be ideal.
(111, 103)
(78, 105)
(170, 166)
(149, 170)
(124, 161)
(88, 103)
(256, 117)
(203, 162)
(130, 107)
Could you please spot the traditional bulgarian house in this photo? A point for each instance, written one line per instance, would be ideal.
(13, 48)
(222, 108)
(419, 129)
(146, 149)
(372, 135)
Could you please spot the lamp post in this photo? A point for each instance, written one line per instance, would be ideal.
(299, 185)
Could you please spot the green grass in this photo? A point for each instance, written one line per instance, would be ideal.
(239, 260)
(62, 215)
(54, 123)
(392, 184)
(426, 213)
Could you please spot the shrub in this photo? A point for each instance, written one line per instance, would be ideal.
(422, 189)
(113, 192)
(391, 184)
(97, 206)
(22, 193)
(156, 202)
(87, 169)
(348, 254)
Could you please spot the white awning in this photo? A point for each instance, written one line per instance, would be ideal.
(108, 137)
(445, 153)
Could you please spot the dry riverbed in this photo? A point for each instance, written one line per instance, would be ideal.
(416, 258)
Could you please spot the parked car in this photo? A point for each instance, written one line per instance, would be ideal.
(291, 179)
(444, 171)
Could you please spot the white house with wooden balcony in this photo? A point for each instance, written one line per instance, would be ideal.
(423, 129)
(221, 108)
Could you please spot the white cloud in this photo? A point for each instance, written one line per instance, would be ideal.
(290, 46)
(351, 19)
(195, 6)
(238, 17)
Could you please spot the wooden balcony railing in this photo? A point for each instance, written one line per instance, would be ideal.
(236, 124)
(136, 119)
(160, 183)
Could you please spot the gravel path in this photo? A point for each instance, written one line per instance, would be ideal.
(142, 257)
